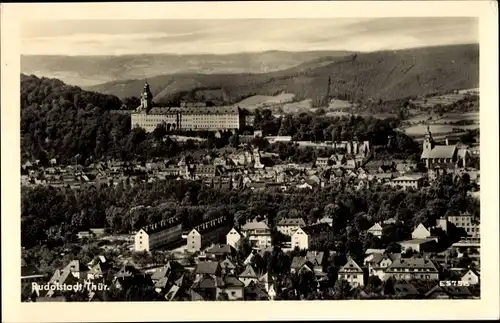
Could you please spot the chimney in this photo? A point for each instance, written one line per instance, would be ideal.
(446, 140)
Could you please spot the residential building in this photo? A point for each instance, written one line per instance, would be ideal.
(233, 238)
(420, 232)
(414, 181)
(185, 117)
(322, 162)
(412, 268)
(467, 222)
(376, 230)
(289, 225)
(248, 275)
(258, 233)
(352, 273)
(158, 234)
(471, 277)
(300, 263)
(379, 262)
(212, 231)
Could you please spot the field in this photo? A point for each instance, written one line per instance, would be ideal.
(297, 107)
(421, 129)
(261, 101)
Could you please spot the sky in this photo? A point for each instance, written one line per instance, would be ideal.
(219, 36)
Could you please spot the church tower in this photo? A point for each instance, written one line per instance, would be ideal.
(428, 142)
(146, 98)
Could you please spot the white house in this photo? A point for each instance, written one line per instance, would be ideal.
(300, 239)
(248, 275)
(157, 234)
(352, 273)
(376, 230)
(471, 277)
(193, 241)
(289, 226)
(258, 233)
(420, 232)
(233, 237)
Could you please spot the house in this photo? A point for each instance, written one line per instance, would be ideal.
(352, 273)
(231, 286)
(414, 181)
(207, 268)
(376, 230)
(248, 275)
(412, 268)
(267, 280)
(420, 232)
(392, 220)
(379, 262)
(418, 245)
(233, 237)
(172, 270)
(448, 292)
(300, 240)
(301, 263)
(220, 251)
(471, 277)
(258, 233)
(159, 234)
(290, 225)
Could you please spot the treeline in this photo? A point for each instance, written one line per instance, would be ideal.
(51, 215)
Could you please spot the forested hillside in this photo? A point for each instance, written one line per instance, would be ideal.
(386, 75)
(62, 121)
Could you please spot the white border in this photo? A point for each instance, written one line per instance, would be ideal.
(15, 311)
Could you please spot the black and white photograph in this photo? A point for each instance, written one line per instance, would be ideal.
(251, 159)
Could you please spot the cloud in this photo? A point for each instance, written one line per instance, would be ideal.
(250, 35)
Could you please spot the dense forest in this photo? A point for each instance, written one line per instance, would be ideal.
(385, 75)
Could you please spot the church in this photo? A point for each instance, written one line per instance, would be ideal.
(440, 156)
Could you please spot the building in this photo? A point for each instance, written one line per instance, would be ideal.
(448, 292)
(442, 156)
(414, 181)
(258, 233)
(412, 268)
(185, 117)
(379, 262)
(323, 162)
(307, 238)
(471, 277)
(420, 232)
(352, 273)
(419, 245)
(158, 234)
(290, 225)
(467, 222)
(376, 230)
(212, 231)
(248, 275)
(233, 237)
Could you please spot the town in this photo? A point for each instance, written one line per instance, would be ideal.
(343, 219)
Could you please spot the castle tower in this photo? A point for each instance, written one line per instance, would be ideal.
(146, 98)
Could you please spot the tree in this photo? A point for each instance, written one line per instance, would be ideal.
(342, 289)
(389, 287)
(160, 132)
(234, 140)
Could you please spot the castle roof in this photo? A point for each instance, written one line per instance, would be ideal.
(439, 151)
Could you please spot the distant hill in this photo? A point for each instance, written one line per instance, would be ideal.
(378, 75)
(91, 70)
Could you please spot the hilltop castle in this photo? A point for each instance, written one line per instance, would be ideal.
(196, 117)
